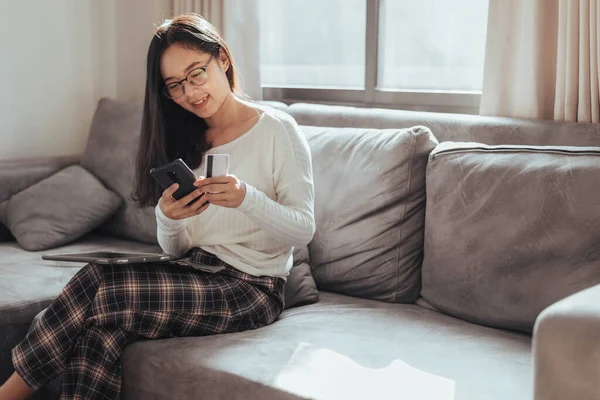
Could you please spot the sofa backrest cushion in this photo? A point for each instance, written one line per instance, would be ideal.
(509, 230)
(451, 127)
(369, 210)
(110, 155)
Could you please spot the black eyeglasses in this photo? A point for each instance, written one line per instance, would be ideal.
(196, 77)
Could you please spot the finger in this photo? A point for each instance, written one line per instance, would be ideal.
(224, 179)
(169, 191)
(191, 209)
(203, 200)
(198, 201)
(214, 188)
(202, 181)
(218, 197)
(201, 208)
(187, 199)
(194, 203)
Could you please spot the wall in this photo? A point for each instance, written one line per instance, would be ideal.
(58, 58)
(136, 21)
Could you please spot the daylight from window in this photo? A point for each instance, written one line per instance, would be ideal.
(429, 45)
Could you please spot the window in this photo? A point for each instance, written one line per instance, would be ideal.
(300, 48)
(412, 54)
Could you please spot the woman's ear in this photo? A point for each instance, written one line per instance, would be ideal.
(223, 60)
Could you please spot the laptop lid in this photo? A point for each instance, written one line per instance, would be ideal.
(110, 257)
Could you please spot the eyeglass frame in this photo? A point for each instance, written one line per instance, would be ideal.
(204, 67)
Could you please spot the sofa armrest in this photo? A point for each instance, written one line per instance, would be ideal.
(17, 175)
(566, 348)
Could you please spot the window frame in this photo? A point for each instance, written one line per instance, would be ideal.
(462, 102)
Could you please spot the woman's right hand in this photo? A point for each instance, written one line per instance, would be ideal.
(181, 209)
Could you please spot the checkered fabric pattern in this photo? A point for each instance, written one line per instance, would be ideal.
(105, 307)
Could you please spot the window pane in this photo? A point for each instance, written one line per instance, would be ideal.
(432, 44)
(313, 43)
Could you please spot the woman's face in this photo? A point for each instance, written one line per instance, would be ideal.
(204, 101)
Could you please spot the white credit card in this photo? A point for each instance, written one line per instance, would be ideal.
(216, 165)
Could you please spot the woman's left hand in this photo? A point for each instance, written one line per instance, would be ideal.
(225, 191)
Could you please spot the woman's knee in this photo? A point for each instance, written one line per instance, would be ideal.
(92, 269)
(109, 341)
(90, 275)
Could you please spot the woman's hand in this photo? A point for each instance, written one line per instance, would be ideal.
(225, 191)
(182, 208)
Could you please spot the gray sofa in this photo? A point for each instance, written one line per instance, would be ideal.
(457, 257)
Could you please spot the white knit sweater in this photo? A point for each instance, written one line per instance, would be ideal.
(277, 213)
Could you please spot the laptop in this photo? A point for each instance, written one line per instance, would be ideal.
(111, 257)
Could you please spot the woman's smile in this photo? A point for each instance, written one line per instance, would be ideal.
(201, 103)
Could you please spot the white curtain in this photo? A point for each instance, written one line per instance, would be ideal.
(542, 60)
(237, 20)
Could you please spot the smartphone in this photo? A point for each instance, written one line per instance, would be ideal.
(216, 165)
(176, 172)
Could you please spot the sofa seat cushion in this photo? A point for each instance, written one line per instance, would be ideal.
(339, 348)
(28, 284)
(510, 230)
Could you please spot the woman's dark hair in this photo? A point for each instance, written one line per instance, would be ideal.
(168, 130)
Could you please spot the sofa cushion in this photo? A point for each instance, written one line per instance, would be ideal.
(110, 154)
(340, 348)
(300, 287)
(16, 175)
(509, 230)
(59, 209)
(451, 126)
(369, 210)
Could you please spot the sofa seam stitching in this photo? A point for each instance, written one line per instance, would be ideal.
(408, 187)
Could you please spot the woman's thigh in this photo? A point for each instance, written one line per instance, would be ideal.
(157, 300)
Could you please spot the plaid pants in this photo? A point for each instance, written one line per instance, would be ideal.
(105, 307)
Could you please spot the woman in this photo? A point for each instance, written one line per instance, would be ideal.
(235, 241)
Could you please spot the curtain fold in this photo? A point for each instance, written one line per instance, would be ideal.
(542, 60)
(211, 10)
(238, 22)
